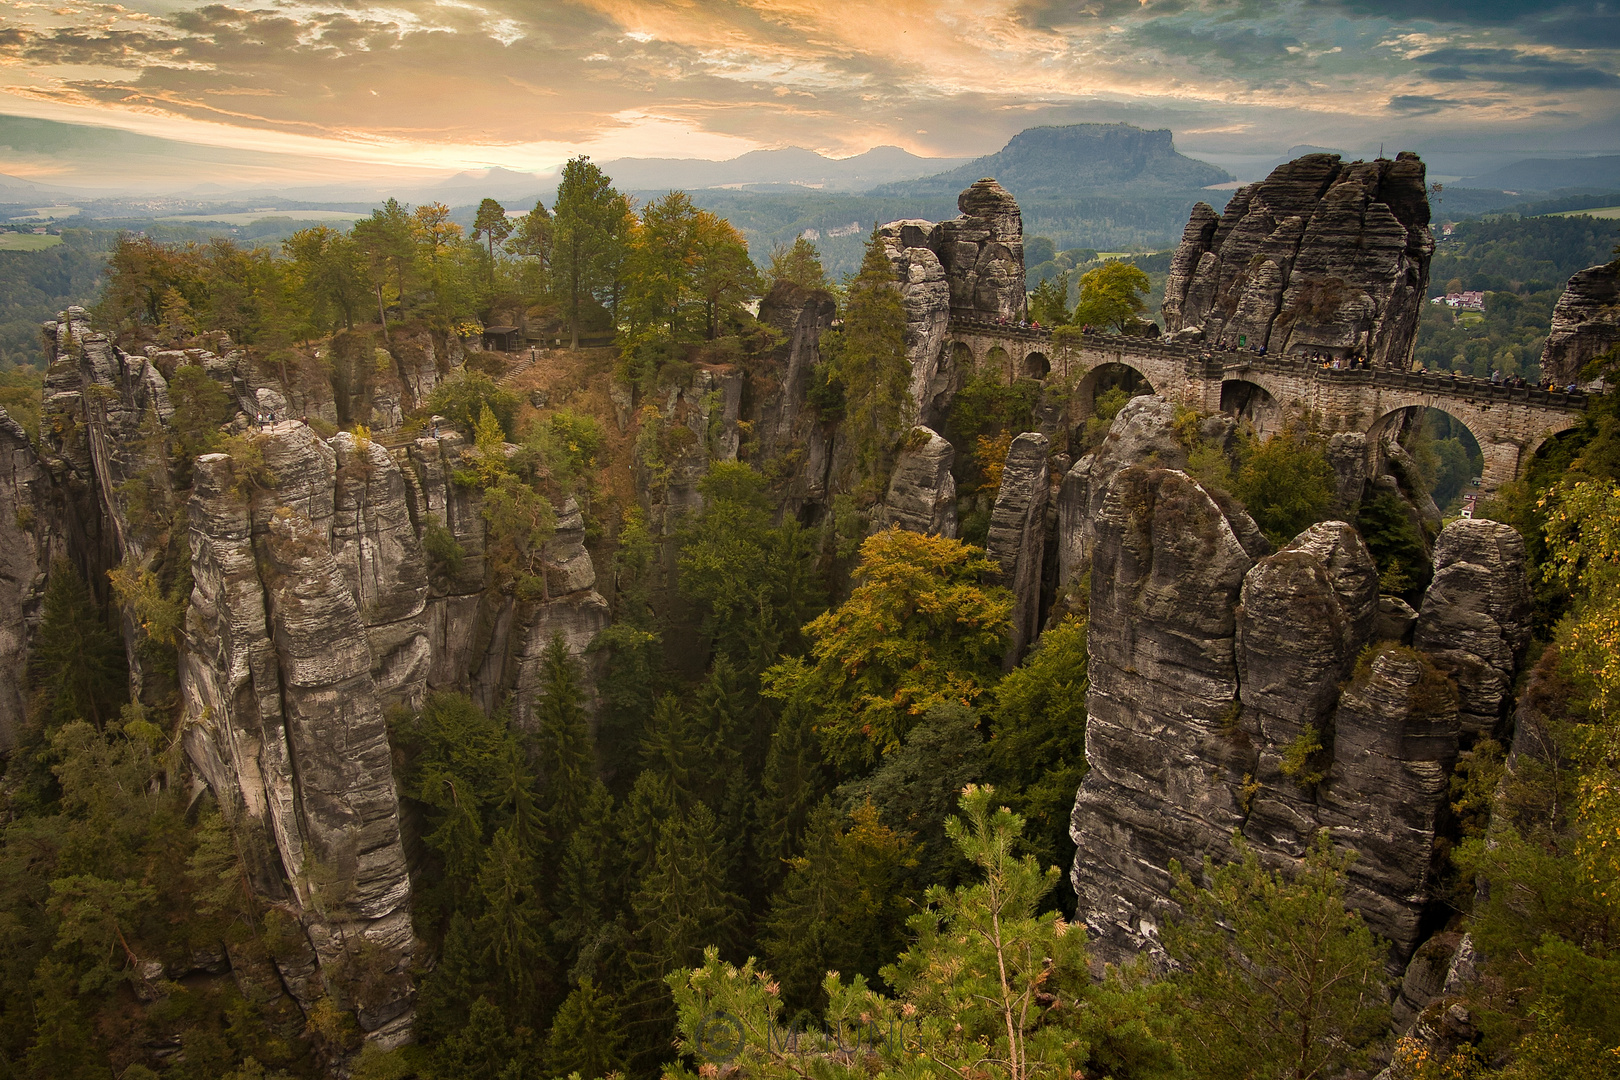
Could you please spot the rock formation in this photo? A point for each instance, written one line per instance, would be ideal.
(1232, 690)
(1475, 618)
(286, 716)
(1319, 256)
(1166, 770)
(315, 606)
(1017, 539)
(971, 267)
(1585, 323)
(922, 492)
(25, 553)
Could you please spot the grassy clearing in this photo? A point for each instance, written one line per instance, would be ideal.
(250, 217)
(1606, 212)
(12, 241)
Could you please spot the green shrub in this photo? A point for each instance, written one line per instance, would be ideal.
(444, 551)
(463, 399)
(1286, 484)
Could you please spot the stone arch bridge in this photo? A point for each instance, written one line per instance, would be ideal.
(1509, 423)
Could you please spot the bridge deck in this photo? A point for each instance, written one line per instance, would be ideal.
(1232, 364)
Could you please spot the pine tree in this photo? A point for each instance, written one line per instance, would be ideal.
(566, 754)
(586, 1035)
(77, 663)
(871, 362)
(1277, 976)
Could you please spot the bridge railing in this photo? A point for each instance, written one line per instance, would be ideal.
(1217, 363)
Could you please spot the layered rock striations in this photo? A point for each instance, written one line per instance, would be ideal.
(323, 592)
(1017, 537)
(1322, 255)
(1585, 324)
(971, 267)
(922, 492)
(26, 549)
(1234, 690)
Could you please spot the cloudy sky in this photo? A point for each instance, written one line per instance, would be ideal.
(456, 84)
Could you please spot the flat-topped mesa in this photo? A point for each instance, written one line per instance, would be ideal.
(1322, 256)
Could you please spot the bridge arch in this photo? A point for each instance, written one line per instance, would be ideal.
(1454, 451)
(1254, 403)
(999, 360)
(1103, 378)
(1035, 365)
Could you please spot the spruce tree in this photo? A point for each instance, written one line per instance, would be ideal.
(77, 663)
(586, 1035)
(484, 1049)
(512, 926)
(441, 1006)
(566, 753)
(582, 892)
(673, 747)
(684, 904)
(795, 780)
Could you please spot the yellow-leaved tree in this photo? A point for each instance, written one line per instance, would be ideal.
(919, 630)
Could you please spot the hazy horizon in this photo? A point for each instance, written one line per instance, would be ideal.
(418, 89)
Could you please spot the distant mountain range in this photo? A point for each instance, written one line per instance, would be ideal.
(1048, 162)
(791, 167)
(1551, 174)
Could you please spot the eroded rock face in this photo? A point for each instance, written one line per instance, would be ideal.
(314, 608)
(970, 267)
(786, 424)
(1209, 660)
(1142, 432)
(922, 492)
(285, 718)
(1166, 773)
(1017, 539)
(25, 553)
(1475, 618)
(1321, 255)
(1585, 323)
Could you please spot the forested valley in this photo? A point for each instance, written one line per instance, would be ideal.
(790, 815)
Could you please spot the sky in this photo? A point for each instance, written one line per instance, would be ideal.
(358, 88)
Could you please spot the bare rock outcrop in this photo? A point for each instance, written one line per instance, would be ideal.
(1142, 432)
(284, 715)
(786, 424)
(1585, 323)
(1475, 618)
(25, 554)
(1212, 665)
(1321, 255)
(970, 267)
(1166, 772)
(1017, 538)
(922, 491)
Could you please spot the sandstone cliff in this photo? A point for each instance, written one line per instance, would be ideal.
(314, 607)
(1319, 256)
(1235, 690)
